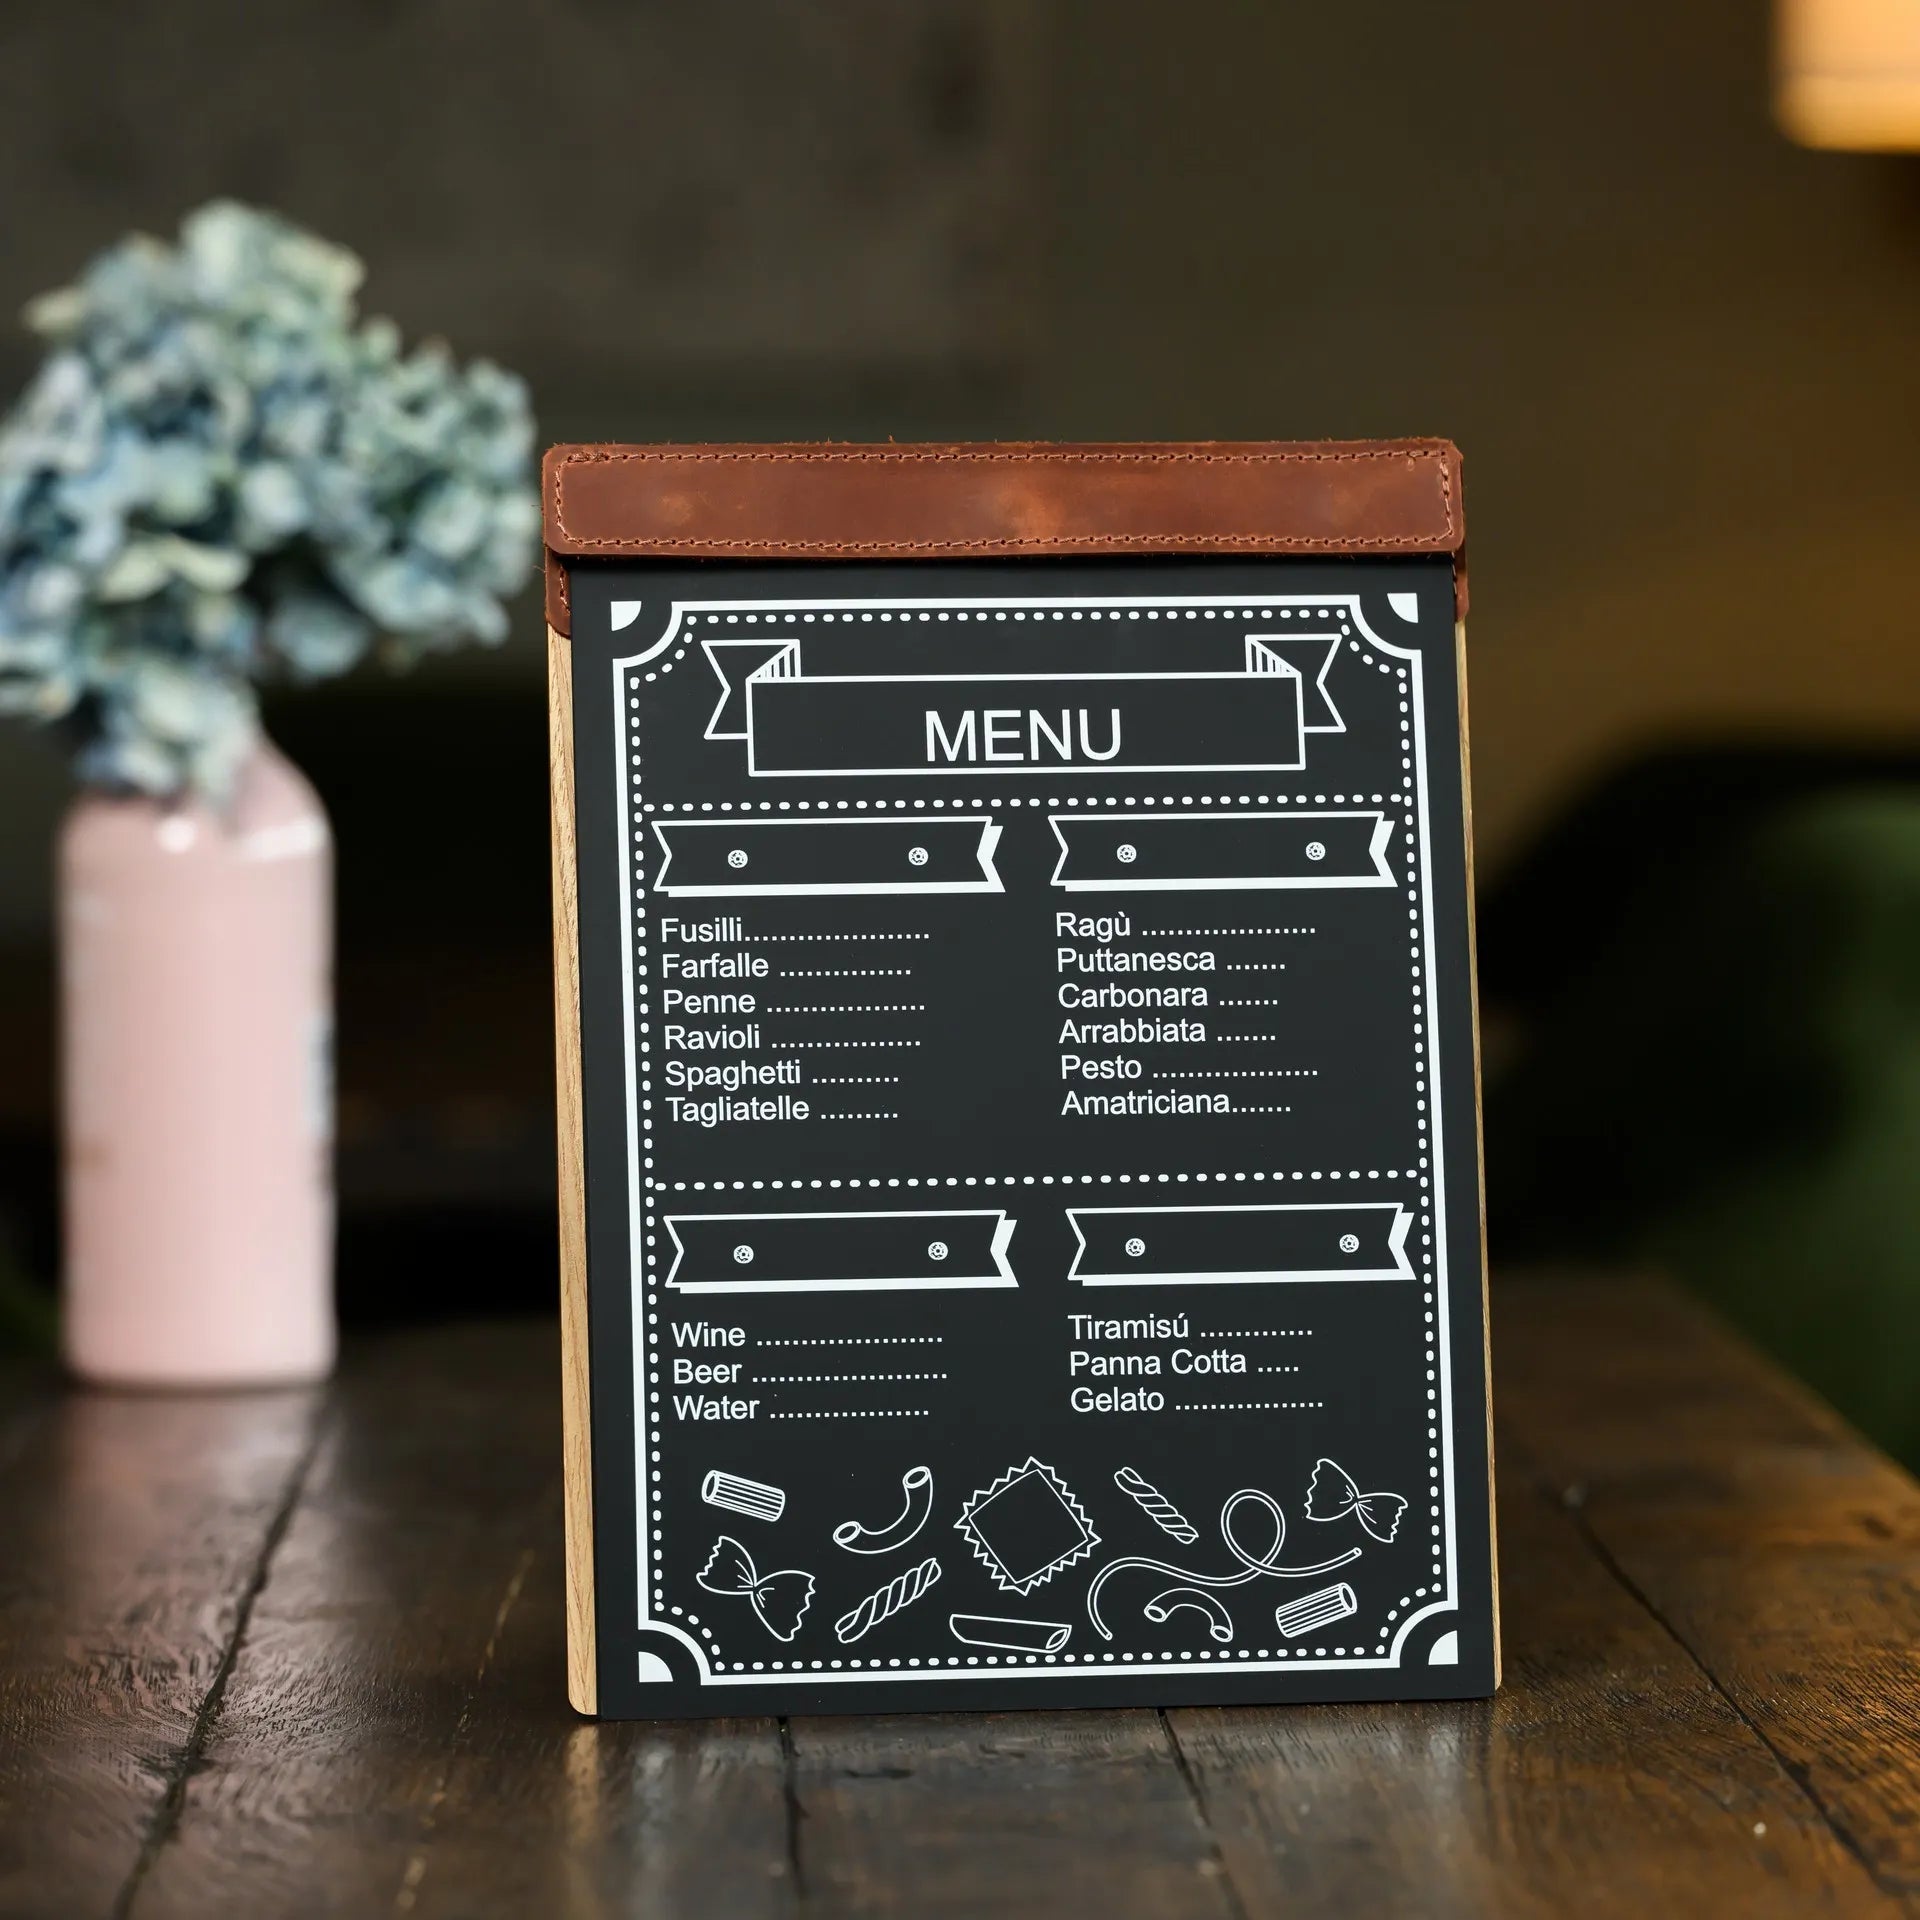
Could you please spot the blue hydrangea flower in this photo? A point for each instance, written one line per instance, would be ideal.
(221, 475)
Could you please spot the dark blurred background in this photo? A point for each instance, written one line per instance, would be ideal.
(1680, 355)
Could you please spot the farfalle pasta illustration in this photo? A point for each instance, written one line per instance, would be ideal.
(780, 1599)
(1333, 1493)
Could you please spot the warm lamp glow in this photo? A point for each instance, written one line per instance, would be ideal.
(1848, 73)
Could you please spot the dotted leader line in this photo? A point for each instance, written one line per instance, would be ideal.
(1242, 1406)
(1262, 1109)
(751, 938)
(1253, 1003)
(1221, 933)
(856, 1116)
(858, 1340)
(1255, 966)
(847, 973)
(1259, 1333)
(846, 1043)
(855, 1080)
(1239, 1073)
(861, 1413)
(824, 1379)
(909, 1006)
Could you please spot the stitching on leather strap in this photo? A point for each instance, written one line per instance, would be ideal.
(1014, 543)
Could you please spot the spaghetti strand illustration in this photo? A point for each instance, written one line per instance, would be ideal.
(1252, 1565)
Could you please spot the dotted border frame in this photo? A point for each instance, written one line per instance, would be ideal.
(627, 709)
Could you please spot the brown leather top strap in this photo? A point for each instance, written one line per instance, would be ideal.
(834, 502)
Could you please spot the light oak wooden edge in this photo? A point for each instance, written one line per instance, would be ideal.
(576, 1380)
(1479, 1126)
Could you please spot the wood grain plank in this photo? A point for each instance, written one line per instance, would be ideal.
(395, 1736)
(134, 1532)
(1710, 1589)
(539, 1814)
(1781, 1549)
(576, 1378)
(1610, 1777)
(1015, 1815)
(436, 1479)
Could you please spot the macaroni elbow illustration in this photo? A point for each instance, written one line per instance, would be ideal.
(916, 1487)
(1163, 1605)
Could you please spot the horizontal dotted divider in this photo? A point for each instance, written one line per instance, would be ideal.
(977, 802)
(1319, 608)
(955, 1666)
(1019, 1180)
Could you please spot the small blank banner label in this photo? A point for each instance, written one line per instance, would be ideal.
(1220, 852)
(742, 858)
(838, 1252)
(1148, 1246)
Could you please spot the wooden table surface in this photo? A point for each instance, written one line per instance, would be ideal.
(301, 1653)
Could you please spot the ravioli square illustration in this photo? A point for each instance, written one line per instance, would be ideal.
(1027, 1526)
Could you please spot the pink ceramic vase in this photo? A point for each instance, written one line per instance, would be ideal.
(196, 976)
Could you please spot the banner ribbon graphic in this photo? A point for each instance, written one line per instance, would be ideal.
(794, 724)
(724, 858)
(839, 1252)
(1156, 1246)
(1220, 852)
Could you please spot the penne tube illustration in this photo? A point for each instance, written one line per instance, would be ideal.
(1313, 1610)
(733, 1491)
(1014, 1636)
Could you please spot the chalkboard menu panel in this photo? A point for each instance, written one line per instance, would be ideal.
(1027, 1074)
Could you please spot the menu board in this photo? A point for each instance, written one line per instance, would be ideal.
(1032, 1174)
